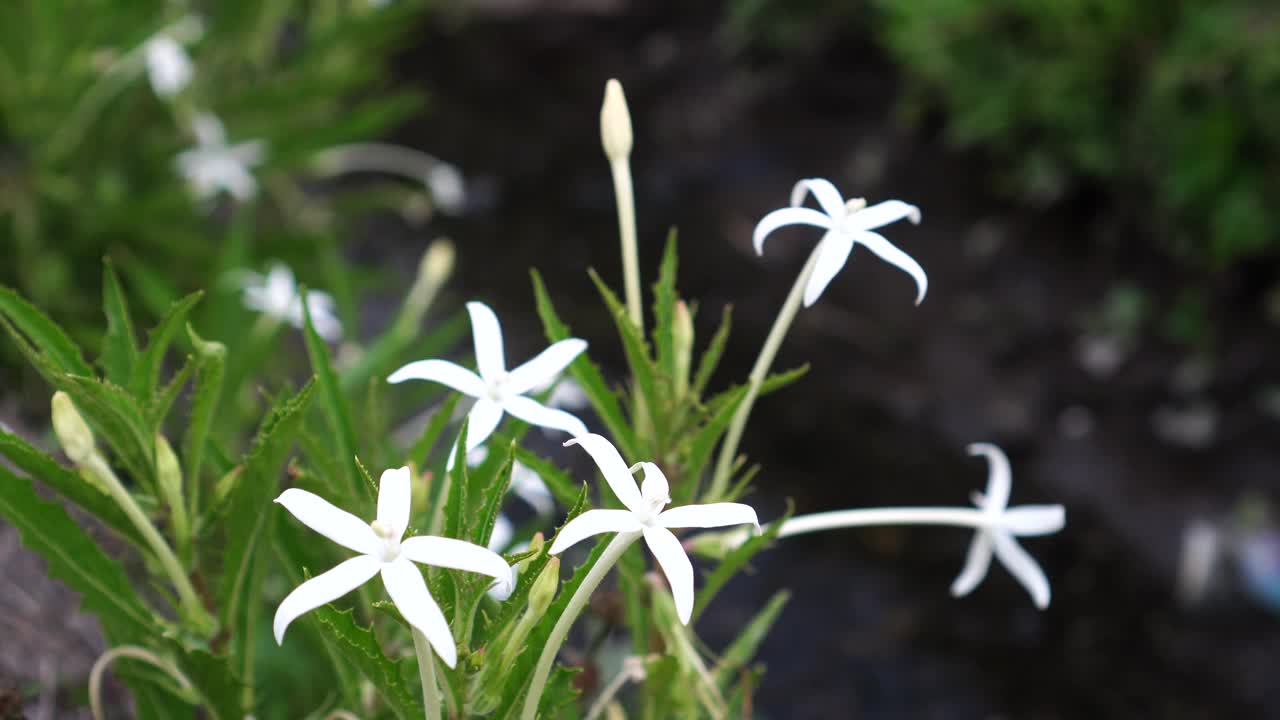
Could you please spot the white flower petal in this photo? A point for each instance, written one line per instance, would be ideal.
(545, 367)
(443, 372)
(322, 589)
(568, 394)
(886, 250)
(1022, 566)
(169, 67)
(882, 214)
(708, 516)
(1034, 519)
(502, 588)
(395, 494)
(455, 554)
(593, 522)
(999, 475)
(976, 563)
(614, 469)
(483, 419)
(655, 489)
(487, 334)
(787, 216)
(675, 565)
(828, 197)
(833, 252)
(535, 413)
(409, 592)
(334, 523)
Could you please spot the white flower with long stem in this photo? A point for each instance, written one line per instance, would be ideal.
(847, 224)
(996, 524)
(383, 551)
(276, 296)
(498, 391)
(645, 517)
(214, 166)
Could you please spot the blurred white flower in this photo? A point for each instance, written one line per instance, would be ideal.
(525, 483)
(995, 535)
(382, 551)
(497, 390)
(213, 166)
(846, 223)
(169, 67)
(276, 295)
(645, 515)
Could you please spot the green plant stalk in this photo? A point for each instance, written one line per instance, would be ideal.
(542, 671)
(135, 652)
(427, 675)
(626, 202)
(192, 607)
(764, 361)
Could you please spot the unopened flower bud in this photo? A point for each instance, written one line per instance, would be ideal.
(544, 588)
(437, 262)
(615, 123)
(73, 433)
(682, 340)
(168, 472)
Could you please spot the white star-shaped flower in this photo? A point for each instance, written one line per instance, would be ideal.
(213, 166)
(276, 295)
(846, 223)
(996, 536)
(382, 551)
(496, 390)
(169, 68)
(645, 514)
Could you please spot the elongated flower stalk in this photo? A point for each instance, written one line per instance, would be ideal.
(427, 676)
(77, 440)
(617, 138)
(759, 371)
(442, 180)
(560, 631)
(132, 652)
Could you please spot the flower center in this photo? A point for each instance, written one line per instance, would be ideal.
(497, 387)
(390, 537)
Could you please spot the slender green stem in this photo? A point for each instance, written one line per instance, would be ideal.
(193, 608)
(764, 361)
(137, 653)
(626, 203)
(612, 552)
(427, 675)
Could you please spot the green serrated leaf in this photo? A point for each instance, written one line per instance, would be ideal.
(744, 646)
(421, 450)
(491, 498)
(147, 373)
(210, 366)
(74, 558)
(733, 561)
(335, 404)
(703, 442)
(360, 647)
(603, 400)
(633, 345)
(219, 687)
(160, 405)
(27, 324)
(119, 345)
(558, 481)
(664, 308)
(455, 505)
(711, 356)
(69, 485)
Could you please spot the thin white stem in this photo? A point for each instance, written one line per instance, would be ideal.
(632, 669)
(626, 203)
(399, 160)
(764, 361)
(189, 599)
(136, 653)
(427, 676)
(341, 714)
(817, 522)
(542, 671)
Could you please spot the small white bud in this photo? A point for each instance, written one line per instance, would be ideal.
(615, 123)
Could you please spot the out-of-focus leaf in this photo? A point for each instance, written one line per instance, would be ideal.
(744, 647)
(29, 324)
(335, 405)
(147, 374)
(119, 345)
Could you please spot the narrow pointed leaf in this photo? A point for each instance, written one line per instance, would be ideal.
(119, 345)
(334, 403)
(711, 356)
(360, 647)
(732, 563)
(664, 308)
(744, 646)
(146, 375)
(42, 334)
(633, 345)
(211, 364)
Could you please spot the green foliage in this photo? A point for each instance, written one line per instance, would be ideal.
(1174, 99)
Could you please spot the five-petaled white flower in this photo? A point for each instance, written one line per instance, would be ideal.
(276, 295)
(996, 536)
(846, 223)
(213, 166)
(382, 551)
(169, 67)
(645, 514)
(496, 390)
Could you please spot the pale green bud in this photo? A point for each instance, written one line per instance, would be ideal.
(168, 471)
(73, 433)
(615, 123)
(682, 337)
(544, 588)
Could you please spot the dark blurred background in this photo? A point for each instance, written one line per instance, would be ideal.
(1098, 182)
